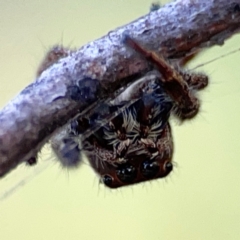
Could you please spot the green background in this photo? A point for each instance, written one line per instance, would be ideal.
(199, 200)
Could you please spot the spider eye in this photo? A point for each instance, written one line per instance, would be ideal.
(32, 161)
(107, 180)
(149, 169)
(126, 173)
(168, 167)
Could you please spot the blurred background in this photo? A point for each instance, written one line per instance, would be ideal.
(199, 200)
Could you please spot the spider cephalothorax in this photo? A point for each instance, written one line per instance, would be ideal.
(135, 144)
(140, 161)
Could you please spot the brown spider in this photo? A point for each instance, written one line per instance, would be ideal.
(130, 141)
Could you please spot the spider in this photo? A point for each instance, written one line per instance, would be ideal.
(129, 141)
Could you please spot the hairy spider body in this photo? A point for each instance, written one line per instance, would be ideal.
(135, 144)
(128, 139)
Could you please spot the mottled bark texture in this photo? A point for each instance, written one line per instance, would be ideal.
(101, 67)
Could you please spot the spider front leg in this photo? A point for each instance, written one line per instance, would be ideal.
(53, 55)
(176, 83)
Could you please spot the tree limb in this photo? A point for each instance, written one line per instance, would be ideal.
(100, 68)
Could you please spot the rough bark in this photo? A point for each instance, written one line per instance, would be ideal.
(100, 68)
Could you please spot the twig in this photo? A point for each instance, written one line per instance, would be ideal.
(103, 66)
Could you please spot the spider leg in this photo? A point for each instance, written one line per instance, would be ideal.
(196, 81)
(53, 55)
(173, 81)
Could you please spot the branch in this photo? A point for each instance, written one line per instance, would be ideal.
(98, 69)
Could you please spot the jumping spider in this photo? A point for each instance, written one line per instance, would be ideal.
(129, 141)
